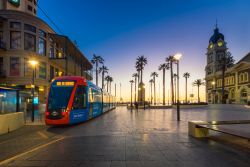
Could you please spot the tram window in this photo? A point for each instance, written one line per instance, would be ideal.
(80, 98)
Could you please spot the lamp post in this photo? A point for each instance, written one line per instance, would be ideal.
(177, 58)
(33, 63)
(213, 91)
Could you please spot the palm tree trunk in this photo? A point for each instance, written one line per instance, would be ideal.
(135, 88)
(154, 93)
(186, 90)
(175, 92)
(131, 95)
(164, 87)
(198, 93)
(110, 87)
(107, 86)
(102, 79)
(151, 98)
(141, 75)
(172, 84)
(96, 73)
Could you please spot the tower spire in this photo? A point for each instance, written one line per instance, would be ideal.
(216, 24)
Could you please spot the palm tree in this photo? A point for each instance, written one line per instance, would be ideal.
(96, 60)
(151, 81)
(107, 78)
(170, 60)
(225, 62)
(154, 75)
(198, 83)
(141, 61)
(164, 67)
(175, 87)
(103, 70)
(186, 75)
(131, 98)
(135, 75)
(110, 82)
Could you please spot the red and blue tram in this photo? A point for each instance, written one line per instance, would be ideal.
(73, 99)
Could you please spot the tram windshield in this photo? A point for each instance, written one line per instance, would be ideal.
(59, 95)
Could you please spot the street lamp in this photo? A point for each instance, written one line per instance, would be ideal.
(213, 91)
(33, 63)
(177, 58)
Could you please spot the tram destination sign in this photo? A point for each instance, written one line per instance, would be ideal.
(65, 83)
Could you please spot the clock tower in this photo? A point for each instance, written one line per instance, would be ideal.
(27, 6)
(217, 48)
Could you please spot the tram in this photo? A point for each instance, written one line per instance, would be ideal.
(73, 99)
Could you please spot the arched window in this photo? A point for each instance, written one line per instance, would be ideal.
(243, 93)
(232, 93)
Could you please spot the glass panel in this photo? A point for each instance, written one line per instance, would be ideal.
(80, 98)
(14, 66)
(57, 72)
(42, 33)
(52, 74)
(1, 67)
(59, 95)
(15, 40)
(1, 25)
(51, 51)
(7, 101)
(42, 47)
(1, 40)
(29, 42)
(15, 25)
(31, 28)
(42, 70)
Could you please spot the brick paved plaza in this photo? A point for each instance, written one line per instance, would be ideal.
(124, 138)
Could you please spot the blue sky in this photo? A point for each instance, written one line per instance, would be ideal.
(121, 30)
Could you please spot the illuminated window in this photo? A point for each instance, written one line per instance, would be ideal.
(42, 70)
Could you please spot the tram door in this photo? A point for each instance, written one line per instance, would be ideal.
(91, 102)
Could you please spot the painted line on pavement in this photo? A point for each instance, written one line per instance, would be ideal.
(42, 135)
(32, 150)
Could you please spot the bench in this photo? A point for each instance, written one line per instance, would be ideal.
(201, 128)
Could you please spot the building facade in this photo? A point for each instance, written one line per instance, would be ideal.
(236, 82)
(25, 37)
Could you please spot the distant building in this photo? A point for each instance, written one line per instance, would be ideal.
(237, 83)
(25, 37)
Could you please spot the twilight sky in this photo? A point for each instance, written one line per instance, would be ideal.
(121, 30)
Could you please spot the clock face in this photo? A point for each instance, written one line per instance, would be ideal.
(15, 2)
(211, 46)
(220, 43)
